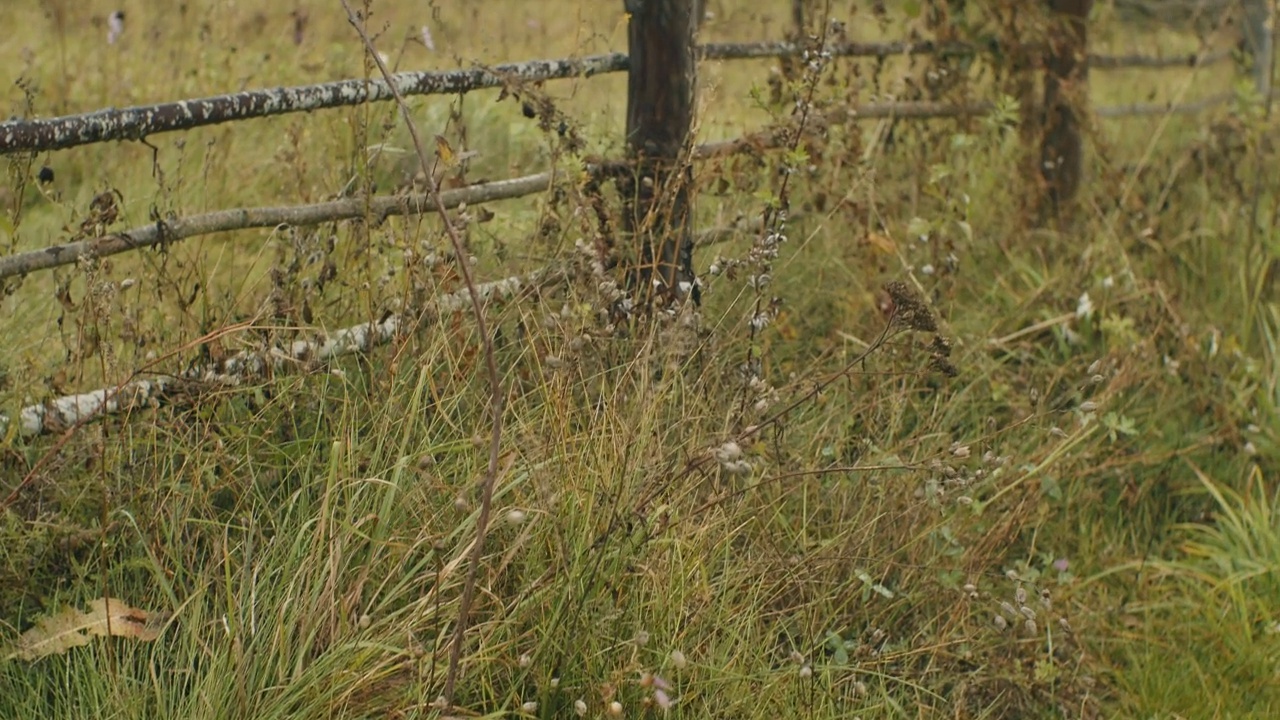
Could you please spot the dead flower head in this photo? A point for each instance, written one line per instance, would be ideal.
(909, 309)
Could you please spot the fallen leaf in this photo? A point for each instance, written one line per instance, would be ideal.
(883, 243)
(57, 633)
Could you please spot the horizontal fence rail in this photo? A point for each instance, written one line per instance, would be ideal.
(136, 123)
(308, 354)
(67, 411)
(384, 206)
(178, 229)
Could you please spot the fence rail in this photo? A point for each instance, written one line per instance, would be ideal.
(137, 123)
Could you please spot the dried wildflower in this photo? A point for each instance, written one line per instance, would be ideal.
(796, 657)
(960, 451)
(910, 311)
(1008, 609)
(1088, 406)
(642, 637)
(526, 660)
(530, 707)
(580, 707)
(1020, 595)
(1084, 307)
(615, 708)
(678, 659)
(662, 699)
(806, 672)
(516, 517)
(1000, 623)
(1031, 627)
(728, 452)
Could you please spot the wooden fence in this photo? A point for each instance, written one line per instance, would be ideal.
(660, 100)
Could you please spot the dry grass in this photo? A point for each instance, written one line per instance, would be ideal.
(1097, 475)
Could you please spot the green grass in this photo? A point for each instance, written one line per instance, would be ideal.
(308, 535)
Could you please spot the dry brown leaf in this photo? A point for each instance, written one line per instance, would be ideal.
(883, 243)
(70, 628)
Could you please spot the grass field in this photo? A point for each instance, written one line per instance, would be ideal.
(1083, 522)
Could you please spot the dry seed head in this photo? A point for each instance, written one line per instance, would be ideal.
(1001, 623)
(806, 672)
(580, 707)
(910, 310)
(662, 699)
(728, 452)
(530, 707)
(678, 659)
(1020, 595)
(615, 708)
(1031, 627)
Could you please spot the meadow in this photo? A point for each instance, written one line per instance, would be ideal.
(928, 460)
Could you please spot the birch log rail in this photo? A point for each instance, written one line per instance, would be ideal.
(382, 207)
(68, 411)
(136, 123)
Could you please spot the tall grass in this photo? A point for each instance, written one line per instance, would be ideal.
(1079, 524)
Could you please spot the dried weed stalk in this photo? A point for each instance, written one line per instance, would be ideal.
(496, 398)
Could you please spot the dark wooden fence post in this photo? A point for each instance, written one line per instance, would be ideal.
(1260, 37)
(660, 102)
(1065, 91)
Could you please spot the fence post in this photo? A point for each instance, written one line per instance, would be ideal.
(660, 102)
(1065, 93)
(1260, 37)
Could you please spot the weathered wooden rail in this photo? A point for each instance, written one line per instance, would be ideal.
(660, 63)
(136, 123)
